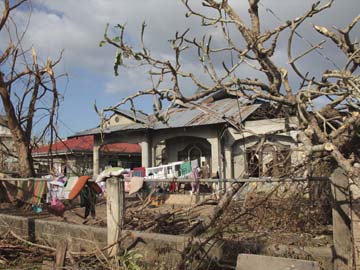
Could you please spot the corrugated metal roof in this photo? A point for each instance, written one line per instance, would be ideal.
(208, 114)
(97, 130)
(213, 113)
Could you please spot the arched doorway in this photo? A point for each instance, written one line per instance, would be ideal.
(195, 153)
(186, 148)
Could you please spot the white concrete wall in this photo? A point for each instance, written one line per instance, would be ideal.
(118, 119)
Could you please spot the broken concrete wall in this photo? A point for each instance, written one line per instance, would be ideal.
(155, 248)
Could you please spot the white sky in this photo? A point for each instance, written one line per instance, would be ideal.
(77, 26)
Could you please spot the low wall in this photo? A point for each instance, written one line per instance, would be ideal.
(156, 248)
(79, 237)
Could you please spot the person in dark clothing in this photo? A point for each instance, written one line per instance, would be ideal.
(88, 200)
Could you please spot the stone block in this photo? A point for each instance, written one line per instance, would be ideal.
(260, 262)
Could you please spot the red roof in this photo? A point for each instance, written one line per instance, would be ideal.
(85, 144)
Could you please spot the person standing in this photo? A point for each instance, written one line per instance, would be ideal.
(88, 200)
(195, 185)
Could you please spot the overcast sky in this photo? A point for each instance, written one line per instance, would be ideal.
(77, 26)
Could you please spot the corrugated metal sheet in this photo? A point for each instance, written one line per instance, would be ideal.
(218, 112)
(111, 129)
(212, 113)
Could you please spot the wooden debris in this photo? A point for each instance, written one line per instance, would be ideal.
(47, 265)
(147, 201)
(60, 255)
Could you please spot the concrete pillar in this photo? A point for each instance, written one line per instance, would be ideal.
(96, 156)
(145, 153)
(115, 211)
(215, 155)
(153, 155)
(228, 164)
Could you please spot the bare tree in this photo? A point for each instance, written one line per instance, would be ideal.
(28, 90)
(326, 130)
(331, 128)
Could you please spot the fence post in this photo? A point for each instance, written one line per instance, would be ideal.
(115, 211)
(342, 235)
(355, 223)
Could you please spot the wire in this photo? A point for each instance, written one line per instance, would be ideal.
(269, 10)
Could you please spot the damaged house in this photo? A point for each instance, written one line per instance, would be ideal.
(74, 156)
(223, 133)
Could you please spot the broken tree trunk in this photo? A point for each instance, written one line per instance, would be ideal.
(218, 210)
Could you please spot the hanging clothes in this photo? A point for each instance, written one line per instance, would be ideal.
(136, 183)
(194, 164)
(185, 168)
(70, 184)
(140, 172)
(40, 188)
(30, 192)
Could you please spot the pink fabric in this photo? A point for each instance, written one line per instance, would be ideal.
(127, 186)
(173, 186)
(57, 207)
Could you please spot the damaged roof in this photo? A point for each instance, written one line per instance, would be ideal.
(207, 114)
(216, 112)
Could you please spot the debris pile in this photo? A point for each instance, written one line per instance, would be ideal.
(166, 219)
(18, 252)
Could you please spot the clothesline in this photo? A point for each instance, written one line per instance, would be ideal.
(242, 180)
(22, 179)
(182, 180)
